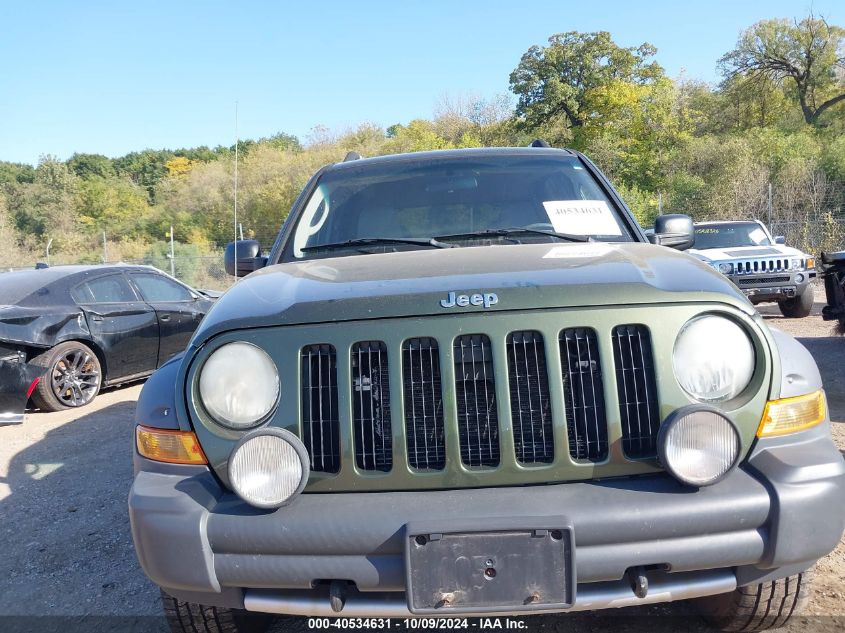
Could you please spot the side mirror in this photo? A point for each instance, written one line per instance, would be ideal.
(242, 262)
(780, 239)
(673, 230)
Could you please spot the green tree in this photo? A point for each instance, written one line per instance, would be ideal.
(90, 165)
(115, 205)
(45, 206)
(16, 173)
(808, 56)
(554, 82)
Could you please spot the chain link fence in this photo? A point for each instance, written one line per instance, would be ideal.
(809, 214)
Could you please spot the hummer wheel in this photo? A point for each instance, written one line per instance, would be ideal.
(767, 605)
(798, 307)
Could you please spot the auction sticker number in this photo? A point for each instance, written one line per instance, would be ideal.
(582, 217)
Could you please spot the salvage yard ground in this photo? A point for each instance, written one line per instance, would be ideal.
(67, 553)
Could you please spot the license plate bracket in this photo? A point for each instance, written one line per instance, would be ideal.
(505, 566)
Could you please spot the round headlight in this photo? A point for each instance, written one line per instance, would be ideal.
(726, 269)
(713, 358)
(268, 468)
(239, 385)
(699, 446)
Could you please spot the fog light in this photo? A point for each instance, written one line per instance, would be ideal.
(698, 445)
(268, 468)
(799, 278)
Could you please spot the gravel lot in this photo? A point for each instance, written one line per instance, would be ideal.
(67, 555)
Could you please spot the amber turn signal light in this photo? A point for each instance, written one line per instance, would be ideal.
(789, 415)
(173, 447)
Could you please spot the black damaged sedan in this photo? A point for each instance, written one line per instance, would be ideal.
(80, 328)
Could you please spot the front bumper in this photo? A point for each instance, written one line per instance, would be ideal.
(775, 515)
(773, 286)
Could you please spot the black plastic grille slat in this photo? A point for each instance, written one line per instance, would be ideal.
(764, 280)
(528, 382)
(371, 406)
(423, 404)
(320, 423)
(475, 396)
(637, 389)
(583, 394)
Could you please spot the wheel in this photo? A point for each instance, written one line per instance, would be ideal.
(799, 306)
(184, 617)
(72, 377)
(759, 607)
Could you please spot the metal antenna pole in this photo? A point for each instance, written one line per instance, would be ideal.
(236, 179)
(769, 207)
(49, 244)
(172, 255)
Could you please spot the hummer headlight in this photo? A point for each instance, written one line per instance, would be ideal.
(726, 268)
(239, 385)
(713, 358)
(795, 264)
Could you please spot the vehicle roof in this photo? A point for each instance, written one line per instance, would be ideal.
(54, 273)
(15, 285)
(447, 154)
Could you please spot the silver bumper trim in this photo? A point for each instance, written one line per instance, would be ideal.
(663, 587)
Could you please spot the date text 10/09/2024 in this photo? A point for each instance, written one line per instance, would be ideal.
(479, 624)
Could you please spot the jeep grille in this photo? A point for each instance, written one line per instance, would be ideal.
(583, 394)
(371, 406)
(531, 415)
(474, 396)
(425, 431)
(636, 390)
(320, 414)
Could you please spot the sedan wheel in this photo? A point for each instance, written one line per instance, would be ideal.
(72, 378)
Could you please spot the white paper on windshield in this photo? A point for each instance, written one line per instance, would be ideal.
(758, 236)
(582, 217)
(578, 251)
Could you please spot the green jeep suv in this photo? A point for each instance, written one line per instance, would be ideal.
(465, 383)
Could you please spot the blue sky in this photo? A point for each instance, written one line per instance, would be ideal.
(110, 77)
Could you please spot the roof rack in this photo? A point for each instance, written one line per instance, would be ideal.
(351, 156)
(538, 142)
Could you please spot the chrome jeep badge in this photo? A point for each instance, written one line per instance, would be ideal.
(486, 300)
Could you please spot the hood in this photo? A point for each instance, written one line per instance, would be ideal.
(414, 283)
(746, 252)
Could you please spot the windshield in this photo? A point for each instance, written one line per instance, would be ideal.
(456, 201)
(730, 235)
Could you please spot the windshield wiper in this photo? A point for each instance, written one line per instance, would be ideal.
(376, 241)
(569, 237)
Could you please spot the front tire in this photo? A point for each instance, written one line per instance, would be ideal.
(798, 307)
(72, 377)
(190, 617)
(759, 607)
